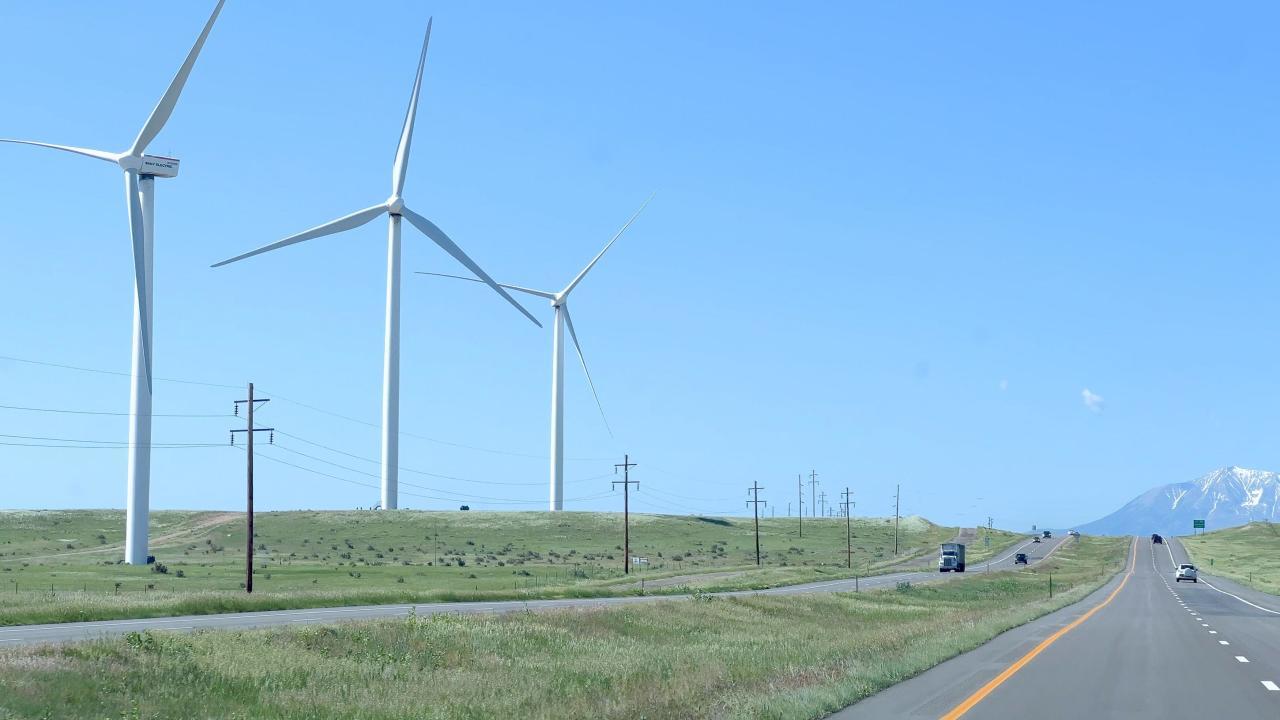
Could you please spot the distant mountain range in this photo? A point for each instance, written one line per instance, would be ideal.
(1223, 498)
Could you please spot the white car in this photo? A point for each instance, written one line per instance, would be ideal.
(1186, 571)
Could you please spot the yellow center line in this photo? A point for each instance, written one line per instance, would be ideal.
(1010, 671)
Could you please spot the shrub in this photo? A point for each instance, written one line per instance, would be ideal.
(160, 568)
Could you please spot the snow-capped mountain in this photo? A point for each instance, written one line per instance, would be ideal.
(1223, 498)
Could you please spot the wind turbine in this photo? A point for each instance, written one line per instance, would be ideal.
(140, 172)
(560, 301)
(395, 208)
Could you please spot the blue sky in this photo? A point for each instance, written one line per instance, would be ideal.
(889, 243)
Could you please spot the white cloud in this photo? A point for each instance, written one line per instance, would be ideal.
(1092, 400)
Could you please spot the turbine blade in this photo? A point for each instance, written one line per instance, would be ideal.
(517, 288)
(596, 259)
(568, 321)
(100, 154)
(428, 228)
(401, 167)
(346, 222)
(164, 108)
(137, 232)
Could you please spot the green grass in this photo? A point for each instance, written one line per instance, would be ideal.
(707, 657)
(1249, 554)
(58, 566)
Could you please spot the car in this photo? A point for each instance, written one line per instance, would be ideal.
(1074, 533)
(1020, 559)
(1186, 571)
(1035, 539)
(1156, 539)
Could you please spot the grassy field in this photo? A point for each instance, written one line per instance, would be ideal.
(58, 566)
(706, 657)
(1249, 554)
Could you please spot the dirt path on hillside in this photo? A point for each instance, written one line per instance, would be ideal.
(173, 537)
(680, 580)
(923, 556)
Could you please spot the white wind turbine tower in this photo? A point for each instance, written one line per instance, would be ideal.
(395, 208)
(140, 172)
(560, 301)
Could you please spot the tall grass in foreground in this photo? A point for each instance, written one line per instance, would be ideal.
(706, 657)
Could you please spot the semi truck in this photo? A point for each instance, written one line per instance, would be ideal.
(951, 558)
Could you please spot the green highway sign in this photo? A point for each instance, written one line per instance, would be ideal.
(1197, 524)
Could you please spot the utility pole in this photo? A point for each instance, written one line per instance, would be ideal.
(848, 527)
(813, 491)
(822, 502)
(897, 500)
(249, 430)
(626, 483)
(755, 493)
(800, 491)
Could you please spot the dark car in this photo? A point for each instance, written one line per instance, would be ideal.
(1155, 538)
(1020, 559)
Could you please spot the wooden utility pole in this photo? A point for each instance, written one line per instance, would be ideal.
(897, 506)
(755, 493)
(848, 527)
(813, 492)
(249, 430)
(800, 495)
(626, 483)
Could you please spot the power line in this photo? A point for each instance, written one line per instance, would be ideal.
(299, 403)
(122, 446)
(98, 443)
(64, 411)
(459, 496)
(448, 443)
(112, 372)
(421, 472)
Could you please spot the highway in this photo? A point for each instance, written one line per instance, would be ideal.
(1143, 646)
(69, 632)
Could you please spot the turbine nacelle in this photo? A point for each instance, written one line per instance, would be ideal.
(395, 205)
(152, 165)
(159, 166)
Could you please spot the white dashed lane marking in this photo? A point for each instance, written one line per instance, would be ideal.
(1241, 658)
(1270, 686)
(1223, 642)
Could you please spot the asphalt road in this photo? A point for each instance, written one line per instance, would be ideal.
(1157, 649)
(68, 632)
